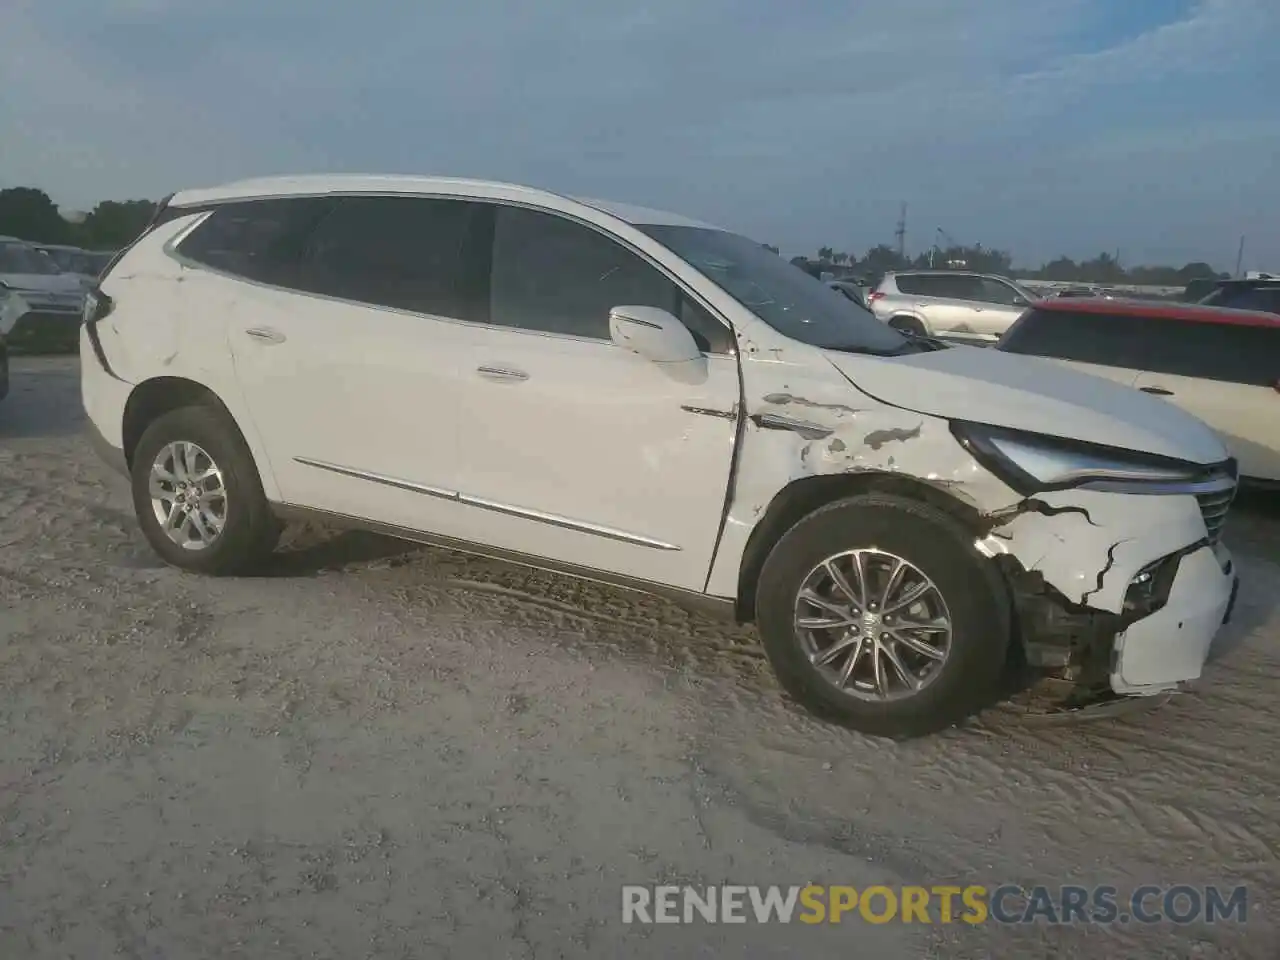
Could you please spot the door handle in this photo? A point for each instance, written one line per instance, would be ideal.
(502, 373)
(266, 335)
(1158, 391)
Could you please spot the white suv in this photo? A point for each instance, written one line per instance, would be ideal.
(638, 398)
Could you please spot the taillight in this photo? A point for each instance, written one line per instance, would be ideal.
(874, 296)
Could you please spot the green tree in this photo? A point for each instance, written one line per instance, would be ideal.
(30, 214)
(881, 259)
(114, 224)
(825, 254)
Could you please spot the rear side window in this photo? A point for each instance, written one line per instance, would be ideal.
(408, 253)
(1228, 353)
(915, 284)
(260, 240)
(557, 276)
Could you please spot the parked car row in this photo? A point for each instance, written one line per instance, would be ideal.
(1219, 359)
(40, 300)
(639, 398)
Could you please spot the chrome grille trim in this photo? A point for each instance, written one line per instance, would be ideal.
(1214, 507)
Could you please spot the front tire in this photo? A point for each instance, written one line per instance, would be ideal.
(876, 612)
(198, 496)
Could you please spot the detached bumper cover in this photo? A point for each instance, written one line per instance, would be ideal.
(1170, 647)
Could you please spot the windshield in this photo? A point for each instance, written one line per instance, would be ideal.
(19, 258)
(785, 297)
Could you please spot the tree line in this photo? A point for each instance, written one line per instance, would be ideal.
(29, 214)
(1105, 268)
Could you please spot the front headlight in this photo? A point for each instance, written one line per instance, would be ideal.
(1033, 463)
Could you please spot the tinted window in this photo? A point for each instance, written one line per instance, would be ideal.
(1264, 298)
(993, 291)
(554, 275)
(1216, 351)
(1210, 351)
(956, 286)
(259, 239)
(20, 258)
(409, 253)
(919, 286)
(1113, 341)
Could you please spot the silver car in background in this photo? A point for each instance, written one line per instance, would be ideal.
(952, 304)
(38, 301)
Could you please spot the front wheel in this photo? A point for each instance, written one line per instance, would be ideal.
(876, 612)
(198, 496)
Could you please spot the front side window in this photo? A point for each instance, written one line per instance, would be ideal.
(557, 276)
(791, 301)
(408, 253)
(999, 292)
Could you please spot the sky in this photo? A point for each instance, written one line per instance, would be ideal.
(1043, 127)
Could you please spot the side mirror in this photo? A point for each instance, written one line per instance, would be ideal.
(653, 333)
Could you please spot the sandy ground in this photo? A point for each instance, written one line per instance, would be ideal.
(385, 751)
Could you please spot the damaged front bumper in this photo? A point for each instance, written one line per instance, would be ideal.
(1122, 593)
(1170, 646)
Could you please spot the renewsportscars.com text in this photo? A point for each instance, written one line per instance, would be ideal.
(944, 904)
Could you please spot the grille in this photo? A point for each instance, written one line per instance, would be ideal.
(1214, 507)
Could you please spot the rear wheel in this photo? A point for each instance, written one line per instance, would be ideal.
(876, 612)
(909, 325)
(198, 496)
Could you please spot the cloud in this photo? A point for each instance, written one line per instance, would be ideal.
(805, 123)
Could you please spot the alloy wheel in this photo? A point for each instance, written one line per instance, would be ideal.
(188, 495)
(873, 624)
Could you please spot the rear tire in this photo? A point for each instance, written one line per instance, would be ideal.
(198, 496)
(909, 325)
(954, 671)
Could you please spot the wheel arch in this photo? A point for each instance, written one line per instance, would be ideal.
(159, 395)
(910, 315)
(802, 497)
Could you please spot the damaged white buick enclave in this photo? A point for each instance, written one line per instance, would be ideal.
(641, 399)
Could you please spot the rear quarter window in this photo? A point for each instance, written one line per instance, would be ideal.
(260, 240)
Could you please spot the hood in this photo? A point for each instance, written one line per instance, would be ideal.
(43, 282)
(1033, 394)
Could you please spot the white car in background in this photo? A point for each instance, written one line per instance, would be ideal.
(85, 265)
(34, 292)
(642, 399)
(1222, 365)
